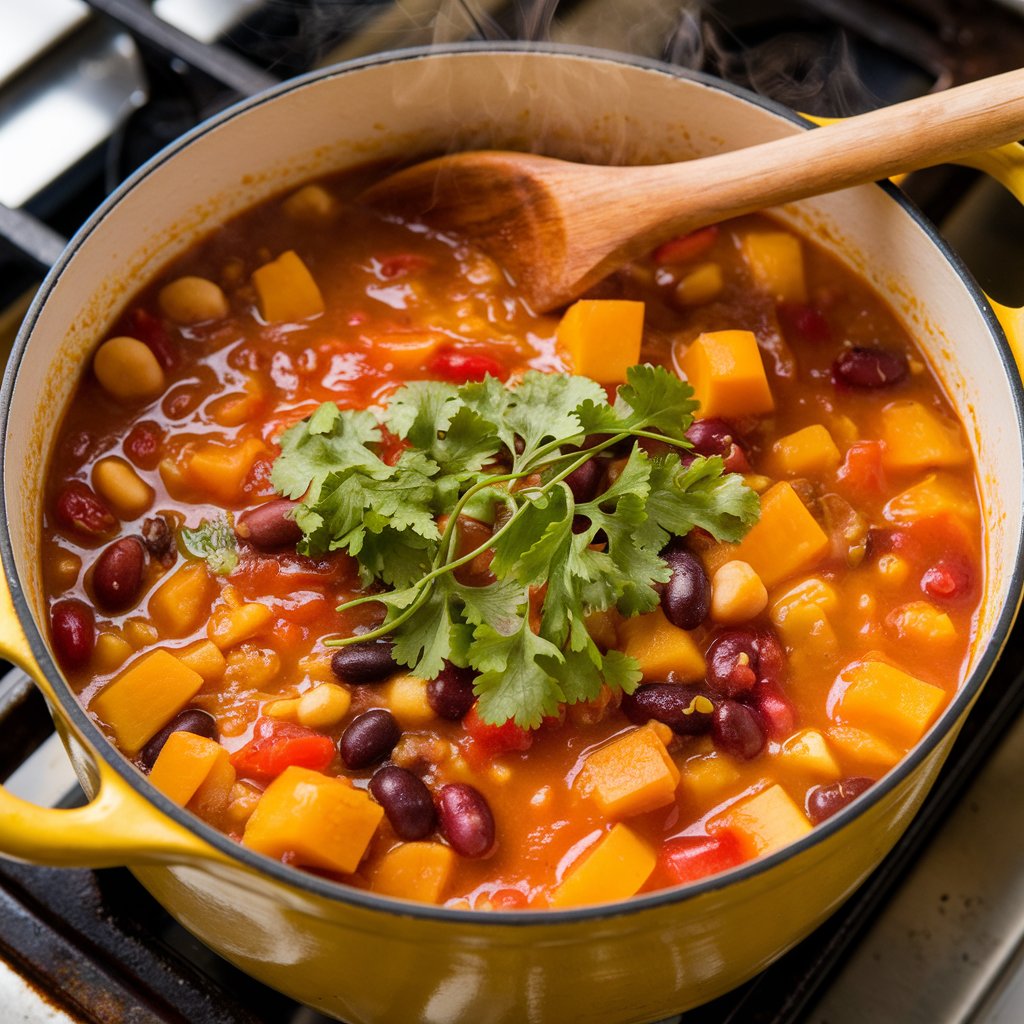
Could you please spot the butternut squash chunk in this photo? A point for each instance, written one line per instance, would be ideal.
(786, 539)
(884, 700)
(286, 290)
(724, 369)
(807, 452)
(938, 494)
(414, 871)
(776, 262)
(144, 698)
(602, 337)
(212, 798)
(324, 822)
(230, 626)
(863, 747)
(661, 648)
(204, 657)
(221, 469)
(922, 621)
(183, 600)
(631, 775)
(185, 763)
(614, 869)
(705, 778)
(917, 438)
(765, 822)
(808, 751)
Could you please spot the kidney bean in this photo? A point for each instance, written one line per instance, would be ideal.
(451, 695)
(803, 321)
(143, 444)
(715, 437)
(737, 730)
(117, 576)
(824, 801)
(667, 703)
(271, 526)
(775, 710)
(192, 720)
(159, 539)
(739, 658)
(869, 368)
(949, 579)
(78, 508)
(583, 480)
(73, 628)
(406, 801)
(367, 662)
(369, 738)
(686, 597)
(466, 819)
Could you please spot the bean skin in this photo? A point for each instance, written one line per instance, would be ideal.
(667, 703)
(270, 527)
(737, 730)
(451, 695)
(369, 738)
(739, 658)
(710, 436)
(73, 627)
(367, 662)
(117, 576)
(466, 819)
(824, 801)
(192, 720)
(584, 480)
(686, 597)
(869, 368)
(78, 508)
(406, 801)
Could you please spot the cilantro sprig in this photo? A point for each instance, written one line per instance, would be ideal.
(503, 454)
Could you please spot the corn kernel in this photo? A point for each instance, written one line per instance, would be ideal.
(323, 706)
(737, 593)
(406, 696)
(893, 569)
(701, 285)
(287, 709)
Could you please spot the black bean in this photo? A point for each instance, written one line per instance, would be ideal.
(406, 801)
(73, 627)
(737, 730)
(117, 577)
(451, 693)
(686, 597)
(668, 703)
(369, 738)
(823, 801)
(466, 819)
(192, 720)
(367, 662)
(869, 368)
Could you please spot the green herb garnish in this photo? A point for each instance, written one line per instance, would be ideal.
(503, 453)
(214, 541)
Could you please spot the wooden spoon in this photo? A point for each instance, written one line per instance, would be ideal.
(558, 227)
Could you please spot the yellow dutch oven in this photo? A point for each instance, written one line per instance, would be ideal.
(351, 953)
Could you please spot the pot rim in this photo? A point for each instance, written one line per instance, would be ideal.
(339, 892)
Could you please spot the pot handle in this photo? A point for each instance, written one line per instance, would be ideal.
(117, 827)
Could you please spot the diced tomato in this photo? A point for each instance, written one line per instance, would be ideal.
(152, 333)
(391, 446)
(488, 741)
(862, 469)
(143, 443)
(402, 263)
(686, 247)
(688, 858)
(804, 322)
(461, 367)
(277, 745)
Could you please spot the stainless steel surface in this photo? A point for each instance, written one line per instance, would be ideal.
(32, 28)
(948, 947)
(66, 105)
(205, 20)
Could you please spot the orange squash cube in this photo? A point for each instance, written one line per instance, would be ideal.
(662, 649)
(917, 438)
(725, 370)
(882, 699)
(183, 600)
(144, 698)
(863, 747)
(614, 869)
(602, 337)
(765, 822)
(807, 452)
(286, 291)
(324, 822)
(213, 796)
(185, 763)
(808, 751)
(705, 778)
(776, 262)
(221, 469)
(230, 626)
(923, 622)
(414, 871)
(786, 539)
(205, 658)
(936, 495)
(631, 775)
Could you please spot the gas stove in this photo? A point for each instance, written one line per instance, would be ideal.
(89, 89)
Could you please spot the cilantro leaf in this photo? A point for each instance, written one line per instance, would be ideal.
(214, 541)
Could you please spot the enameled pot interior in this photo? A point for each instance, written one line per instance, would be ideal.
(580, 105)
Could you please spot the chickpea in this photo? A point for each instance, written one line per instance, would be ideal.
(115, 480)
(737, 593)
(193, 300)
(310, 203)
(128, 370)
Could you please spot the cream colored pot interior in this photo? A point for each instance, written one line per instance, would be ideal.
(565, 105)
